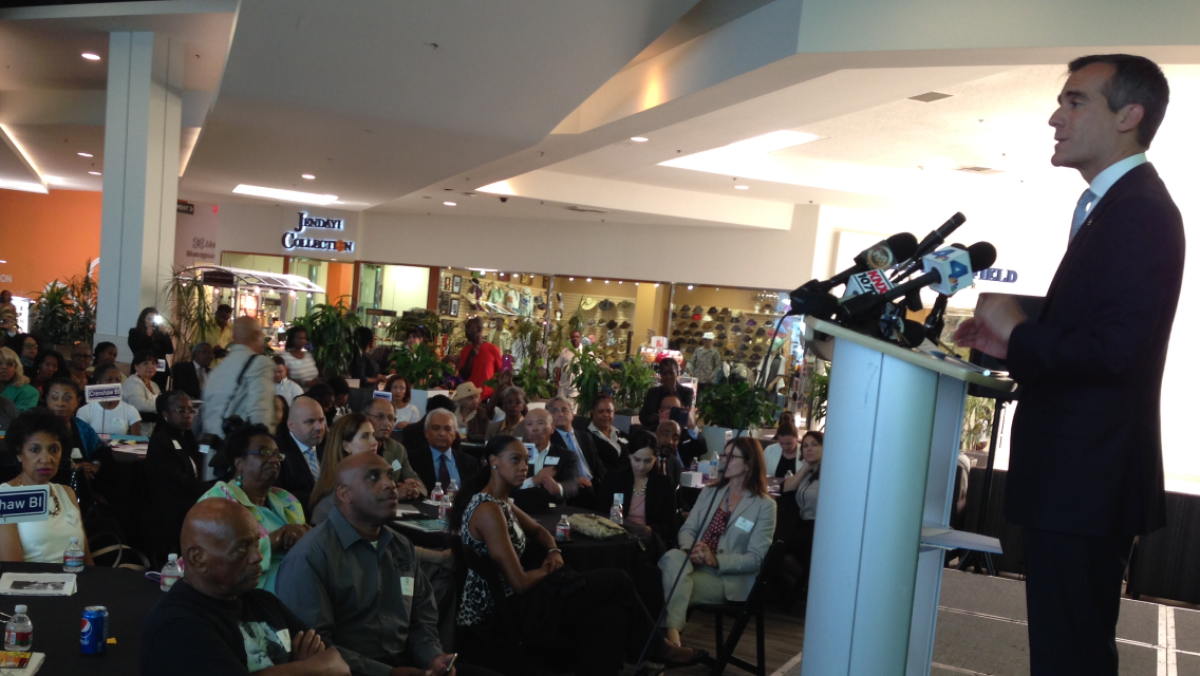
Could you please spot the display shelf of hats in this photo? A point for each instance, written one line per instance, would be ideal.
(462, 293)
(607, 321)
(742, 335)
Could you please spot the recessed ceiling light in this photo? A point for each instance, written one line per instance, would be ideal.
(285, 195)
(606, 281)
(571, 278)
(689, 287)
(94, 173)
(84, 154)
(450, 204)
(90, 56)
(638, 139)
(741, 187)
(307, 177)
(589, 279)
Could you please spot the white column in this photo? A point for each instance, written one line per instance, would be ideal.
(141, 180)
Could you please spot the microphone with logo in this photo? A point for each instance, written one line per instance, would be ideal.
(813, 298)
(932, 241)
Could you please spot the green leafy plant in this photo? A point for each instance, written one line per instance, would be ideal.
(81, 323)
(421, 366)
(818, 399)
(977, 423)
(330, 330)
(737, 405)
(427, 319)
(631, 382)
(530, 377)
(589, 376)
(190, 313)
(66, 312)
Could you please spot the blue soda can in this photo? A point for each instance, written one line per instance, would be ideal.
(93, 631)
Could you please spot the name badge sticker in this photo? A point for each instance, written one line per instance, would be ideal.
(744, 524)
(379, 394)
(406, 586)
(285, 637)
(552, 460)
(395, 465)
(177, 445)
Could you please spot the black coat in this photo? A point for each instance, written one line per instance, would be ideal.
(185, 378)
(1086, 446)
(173, 463)
(421, 460)
(648, 415)
(566, 473)
(608, 455)
(294, 476)
(160, 344)
(587, 446)
(661, 509)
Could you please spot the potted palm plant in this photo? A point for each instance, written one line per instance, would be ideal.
(423, 370)
(589, 376)
(631, 382)
(330, 330)
(734, 406)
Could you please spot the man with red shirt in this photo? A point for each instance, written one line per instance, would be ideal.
(479, 360)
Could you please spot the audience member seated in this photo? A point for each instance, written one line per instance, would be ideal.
(341, 396)
(595, 618)
(285, 386)
(796, 527)
(471, 418)
(382, 415)
(140, 391)
(437, 460)
(364, 367)
(691, 444)
(323, 395)
(300, 443)
(281, 411)
(783, 455)
(8, 413)
(666, 445)
(47, 366)
(648, 494)
(145, 336)
(8, 315)
(191, 377)
(413, 436)
(553, 470)
(731, 527)
(26, 347)
(173, 468)
(110, 417)
(512, 402)
(591, 470)
(248, 463)
(81, 359)
(300, 364)
(14, 385)
(612, 445)
(351, 434)
(87, 451)
(105, 353)
(492, 404)
(668, 375)
(479, 360)
(39, 438)
(406, 411)
(359, 583)
(215, 620)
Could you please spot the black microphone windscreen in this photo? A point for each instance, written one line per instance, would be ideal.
(983, 256)
(914, 332)
(903, 245)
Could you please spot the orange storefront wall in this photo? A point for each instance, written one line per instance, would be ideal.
(46, 237)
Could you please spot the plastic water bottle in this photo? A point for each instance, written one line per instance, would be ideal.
(437, 493)
(562, 531)
(451, 490)
(18, 632)
(170, 572)
(73, 557)
(615, 514)
(695, 465)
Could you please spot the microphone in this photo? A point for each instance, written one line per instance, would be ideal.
(935, 323)
(932, 241)
(813, 298)
(947, 271)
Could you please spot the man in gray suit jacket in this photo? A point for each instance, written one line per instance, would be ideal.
(243, 384)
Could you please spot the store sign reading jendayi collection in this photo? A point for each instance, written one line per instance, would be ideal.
(293, 241)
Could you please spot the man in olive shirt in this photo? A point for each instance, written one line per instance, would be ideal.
(382, 415)
(359, 583)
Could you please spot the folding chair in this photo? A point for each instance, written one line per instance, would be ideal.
(742, 611)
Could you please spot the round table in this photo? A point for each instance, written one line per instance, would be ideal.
(127, 594)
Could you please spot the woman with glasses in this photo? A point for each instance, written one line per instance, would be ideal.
(720, 556)
(173, 468)
(14, 385)
(248, 464)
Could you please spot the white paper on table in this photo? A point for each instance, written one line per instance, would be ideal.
(37, 584)
(30, 668)
(401, 510)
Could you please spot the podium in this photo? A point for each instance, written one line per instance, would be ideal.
(892, 435)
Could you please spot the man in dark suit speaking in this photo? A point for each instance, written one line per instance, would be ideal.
(1085, 474)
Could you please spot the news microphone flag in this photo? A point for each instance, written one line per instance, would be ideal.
(954, 267)
(869, 282)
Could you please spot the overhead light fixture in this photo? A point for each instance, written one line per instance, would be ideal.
(589, 279)
(285, 195)
(450, 204)
(638, 139)
(23, 186)
(84, 154)
(96, 173)
(90, 56)
(606, 281)
(571, 279)
(741, 186)
(307, 177)
(689, 287)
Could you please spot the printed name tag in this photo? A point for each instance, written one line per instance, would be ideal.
(406, 586)
(395, 465)
(285, 637)
(76, 454)
(177, 445)
(552, 460)
(379, 394)
(744, 524)
(162, 365)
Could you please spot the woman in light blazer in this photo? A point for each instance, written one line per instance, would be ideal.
(732, 540)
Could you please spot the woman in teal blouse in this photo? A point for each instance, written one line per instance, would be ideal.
(250, 463)
(14, 385)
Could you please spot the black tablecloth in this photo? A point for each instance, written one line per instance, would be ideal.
(580, 553)
(127, 594)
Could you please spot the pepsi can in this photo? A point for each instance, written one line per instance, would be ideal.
(93, 631)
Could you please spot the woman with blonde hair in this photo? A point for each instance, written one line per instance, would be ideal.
(14, 384)
(352, 433)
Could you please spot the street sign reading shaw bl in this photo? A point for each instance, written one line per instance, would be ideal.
(26, 503)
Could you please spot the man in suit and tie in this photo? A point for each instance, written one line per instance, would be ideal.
(300, 443)
(437, 460)
(190, 377)
(591, 470)
(553, 470)
(1085, 475)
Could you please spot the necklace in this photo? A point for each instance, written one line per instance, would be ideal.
(640, 491)
(53, 497)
